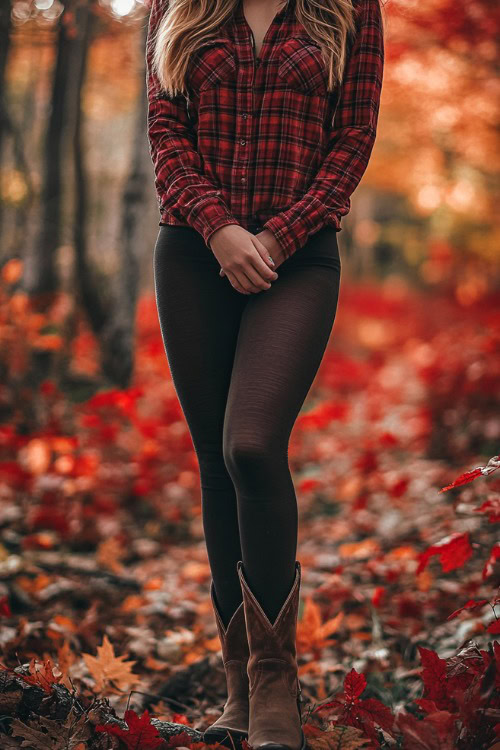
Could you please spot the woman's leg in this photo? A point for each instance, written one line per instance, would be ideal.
(199, 314)
(283, 335)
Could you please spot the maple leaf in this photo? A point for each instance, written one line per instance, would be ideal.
(434, 677)
(46, 734)
(311, 632)
(418, 734)
(354, 684)
(376, 712)
(41, 676)
(453, 551)
(140, 735)
(362, 713)
(108, 669)
(339, 738)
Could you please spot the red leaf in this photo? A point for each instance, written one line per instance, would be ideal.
(444, 722)
(376, 712)
(490, 562)
(354, 684)
(494, 627)
(179, 740)
(492, 465)
(5, 610)
(426, 705)
(471, 604)
(41, 677)
(140, 735)
(469, 476)
(492, 507)
(434, 676)
(418, 735)
(453, 551)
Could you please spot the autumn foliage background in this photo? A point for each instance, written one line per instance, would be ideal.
(107, 637)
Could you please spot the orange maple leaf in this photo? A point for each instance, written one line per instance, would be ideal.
(109, 554)
(108, 670)
(311, 631)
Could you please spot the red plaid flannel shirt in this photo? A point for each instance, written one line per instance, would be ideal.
(260, 142)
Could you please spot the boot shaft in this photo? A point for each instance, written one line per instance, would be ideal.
(267, 639)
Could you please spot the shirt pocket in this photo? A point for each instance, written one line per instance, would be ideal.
(301, 66)
(212, 64)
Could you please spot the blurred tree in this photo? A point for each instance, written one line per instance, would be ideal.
(5, 24)
(41, 277)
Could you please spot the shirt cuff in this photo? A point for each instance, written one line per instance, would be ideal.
(208, 216)
(293, 227)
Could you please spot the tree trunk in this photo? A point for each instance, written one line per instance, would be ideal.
(41, 277)
(5, 25)
(118, 342)
(85, 281)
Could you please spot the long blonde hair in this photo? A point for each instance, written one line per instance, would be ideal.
(187, 24)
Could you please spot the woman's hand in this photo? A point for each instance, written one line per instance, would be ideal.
(273, 255)
(244, 258)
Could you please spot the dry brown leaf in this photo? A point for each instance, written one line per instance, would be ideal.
(46, 734)
(339, 738)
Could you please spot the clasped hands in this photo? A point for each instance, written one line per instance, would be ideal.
(247, 259)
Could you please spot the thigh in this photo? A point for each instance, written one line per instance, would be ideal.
(282, 338)
(199, 314)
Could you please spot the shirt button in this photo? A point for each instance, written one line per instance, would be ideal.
(244, 115)
(242, 141)
(243, 179)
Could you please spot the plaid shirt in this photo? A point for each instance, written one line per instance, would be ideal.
(260, 142)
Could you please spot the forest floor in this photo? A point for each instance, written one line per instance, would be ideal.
(104, 577)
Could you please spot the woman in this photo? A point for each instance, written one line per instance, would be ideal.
(261, 122)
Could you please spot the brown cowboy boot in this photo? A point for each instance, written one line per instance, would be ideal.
(233, 722)
(274, 695)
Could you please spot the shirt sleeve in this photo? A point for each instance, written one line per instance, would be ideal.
(181, 186)
(351, 139)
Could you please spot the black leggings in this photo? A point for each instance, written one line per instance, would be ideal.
(242, 366)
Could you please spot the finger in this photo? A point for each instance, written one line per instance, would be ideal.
(264, 263)
(255, 281)
(235, 283)
(245, 282)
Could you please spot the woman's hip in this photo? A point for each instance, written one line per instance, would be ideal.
(186, 244)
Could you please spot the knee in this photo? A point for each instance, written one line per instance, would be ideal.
(249, 461)
(213, 471)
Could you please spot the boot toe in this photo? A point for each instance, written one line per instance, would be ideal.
(279, 746)
(224, 735)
